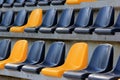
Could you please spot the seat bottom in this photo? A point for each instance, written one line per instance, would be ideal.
(47, 29)
(4, 29)
(57, 2)
(18, 4)
(43, 3)
(30, 4)
(31, 30)
(7, 5)
(64, 30)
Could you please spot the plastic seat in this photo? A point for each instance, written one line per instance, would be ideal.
(66, 19)
(58, 2)
(55, 57)
(35, 55)
(30, 2)
(84, 19)
(18, 53)
(7, 20)
(8, 3)
(50, 19)
(65, 22)
(35, 20)
(77, 1)
(19, 3)
(5, 48)
(77, 59)
(1, 2)
(101, 61)
(109, 30)
(105, 18)
(43, 2)
(112, 75)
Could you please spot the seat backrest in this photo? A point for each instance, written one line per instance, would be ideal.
(21, 18)
(102, 58)
(84, 18)
(50, 18)
(77, 55)
(117, 24)
(20, 1)
(36, 52)
(55, 54)
(105, 17)
(7, 18)
(31, 0)
(0, 16)
(35, 18)
(5, 48)
(9, 1)
(66, 18)
(1, 2)
(19, 51)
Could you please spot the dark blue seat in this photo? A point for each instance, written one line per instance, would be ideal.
(65, 20)
(35, 55)
(8, 3)
(19, 3)
(1, 2)
(55, 57)
(101, 61)
(43, 2)
(105, 18)
(20, 19)
(7, 20)
(30, 3)
(112, 75)
(50, 19)
(84, 19)
(58, 2)
(109, 30)
(5, 49)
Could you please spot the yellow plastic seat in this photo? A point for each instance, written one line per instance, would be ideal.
(35, 20)
(77, 59)
(18, 53)
(77, 1)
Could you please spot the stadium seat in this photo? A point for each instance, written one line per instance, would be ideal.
(35, 20)
(54, 57)
(7, 21)
(104, 18)
(5, 48)
(77, 59)
(8, 3)
(58, 2)
(30, 2)
(35, 55)
(18, 53)
(50, 19)
(112, 75)
(43, 2)
(101, 61)
(66, 21)
(19, 3)
(77, 1)
(111, 29)
(1, 2)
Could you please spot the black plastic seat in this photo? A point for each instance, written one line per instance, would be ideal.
(1, 2)
(84, 19)
(58, 2)
(101, 61)
(50, 19)
(112, 75)
(19, 3)
(30, 3)
(8, 3)
(43, 2)
(5, 48)
(65, 22)
(105, 18)
(7, 20)
(55, 57)
(35, 55)
(110, 30)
